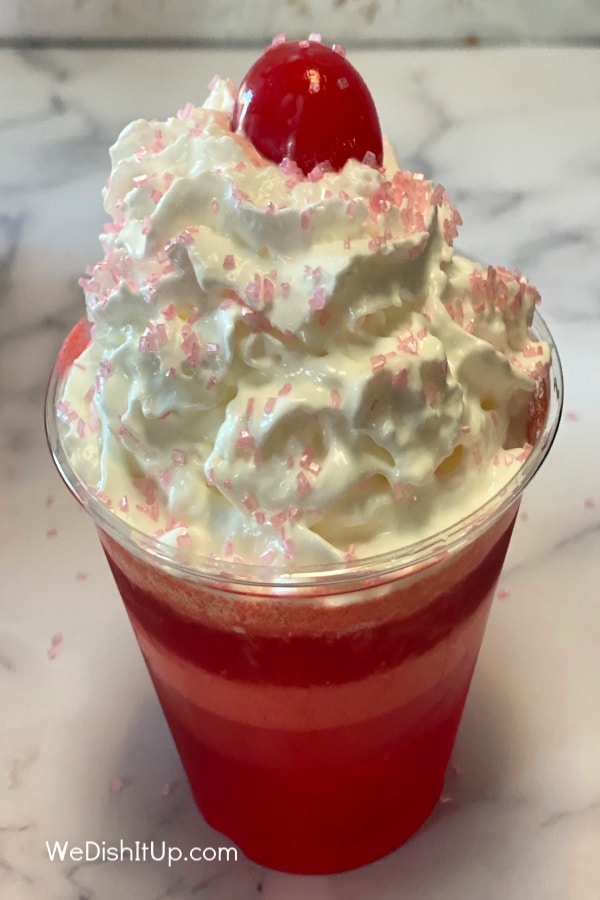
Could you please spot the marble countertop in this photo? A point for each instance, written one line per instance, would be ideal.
(85, 755)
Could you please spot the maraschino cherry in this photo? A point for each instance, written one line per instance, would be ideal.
(304, 101)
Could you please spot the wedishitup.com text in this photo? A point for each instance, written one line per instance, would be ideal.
(135, 851)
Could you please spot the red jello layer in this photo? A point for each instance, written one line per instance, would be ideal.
(316, 735)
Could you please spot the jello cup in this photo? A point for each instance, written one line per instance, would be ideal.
(315, 710)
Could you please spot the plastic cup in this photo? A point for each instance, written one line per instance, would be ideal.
(315, 711)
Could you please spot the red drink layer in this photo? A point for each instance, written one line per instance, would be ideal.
(315, 728)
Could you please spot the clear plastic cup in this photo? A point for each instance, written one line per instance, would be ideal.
(315, 711)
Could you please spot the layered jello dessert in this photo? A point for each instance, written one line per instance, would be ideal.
(302, 424)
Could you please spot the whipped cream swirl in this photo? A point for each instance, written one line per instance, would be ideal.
(288, 369)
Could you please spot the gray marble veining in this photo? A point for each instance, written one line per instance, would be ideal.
(514, 135)
(384, 21)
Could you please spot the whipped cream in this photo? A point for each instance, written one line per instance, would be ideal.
(288, 369)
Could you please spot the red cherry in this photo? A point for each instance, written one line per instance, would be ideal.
(304, 101)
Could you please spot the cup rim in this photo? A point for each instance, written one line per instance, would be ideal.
(405, 559)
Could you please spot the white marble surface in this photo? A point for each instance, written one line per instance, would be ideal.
(84, 752)
(398, 21)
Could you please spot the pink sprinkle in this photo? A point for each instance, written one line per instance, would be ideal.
(270, 208)
(398, 490)
(305, 218)
(270, 406)
(400, 378)
(339, 48)
(151, 510)
(439, 196)
(347, 244)
(350, 554)
(214, 205)
(525, 453)
(285, 389)
(476, 454)
(307, 458)
(169, 312)
(146, 487)
(431, 393)
(250, 502)
(81, 576)
(278, 39)
(116, 785)
(51, 532)
(212, 348)
(407, 343)
(279, 519)
(124, 503)
(244, 441)
(229, 262)
(260, 517)
(184, 541)
(268, 290)
(187, 111)
(268, 557)
(169, 178)
(293, 513)
(318, 299)
(509, 460)
(369, 159)
(302, 484)
(335, 398)
(161, 335)
(147, 343)
(571, 416)
(227, 484)
(503, 594)
(289, 548)
(186, 236)
(49, 500)
(589, 503)
(146, 225)
(532, 350)
(228, 547)
(343, 83)
(56, 639)
(109, 228)
(378, 362)
(165, 479)
(105, 368)
(168, 788)
(525, 516)
(315, 36)
(155, 195)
